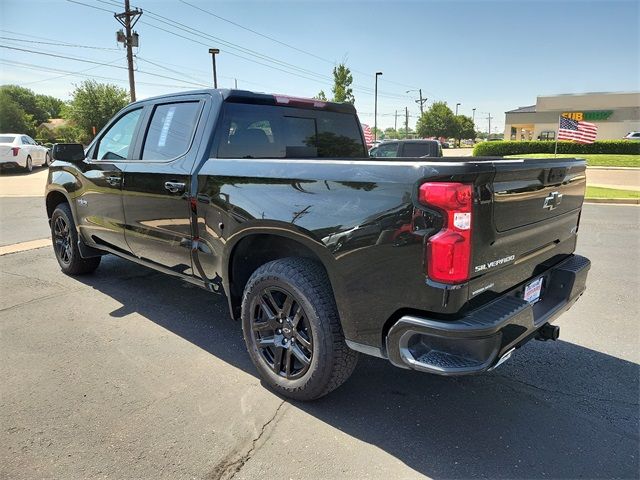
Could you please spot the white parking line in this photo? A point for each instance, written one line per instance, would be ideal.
(24, 246)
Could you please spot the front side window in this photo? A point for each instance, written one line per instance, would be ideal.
(170, 130)
(117, 142)
(387, 150)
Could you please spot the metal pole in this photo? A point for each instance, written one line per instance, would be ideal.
(395, 123)
(555, 150)
(457, 105)
(474, 118)
(214, 52)
(127, 26)
(236, 83)
(406, 122)
(375, 110)
(421, 103)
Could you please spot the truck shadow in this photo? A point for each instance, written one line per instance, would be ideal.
(555, 410)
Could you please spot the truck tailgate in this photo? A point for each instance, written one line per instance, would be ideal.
(525, 221)
(536, 191)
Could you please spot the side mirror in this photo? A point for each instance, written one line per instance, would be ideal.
(68, 152)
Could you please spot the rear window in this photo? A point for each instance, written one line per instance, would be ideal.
(7, 138)
(424, 149)
(266, 131)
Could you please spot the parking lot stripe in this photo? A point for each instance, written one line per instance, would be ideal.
(24, 246)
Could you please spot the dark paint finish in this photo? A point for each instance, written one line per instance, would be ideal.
(360, 218)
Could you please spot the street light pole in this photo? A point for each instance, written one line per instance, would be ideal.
(375, 110)
(457, 105)
(474, 117)
(214, 52)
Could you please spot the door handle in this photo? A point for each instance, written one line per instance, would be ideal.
(114, 181)
(174, 187)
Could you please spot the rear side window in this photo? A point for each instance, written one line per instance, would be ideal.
(7, 139)
(424, 149)
(265, 131)
(170, 130)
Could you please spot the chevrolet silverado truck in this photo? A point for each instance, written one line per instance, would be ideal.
(323, 253)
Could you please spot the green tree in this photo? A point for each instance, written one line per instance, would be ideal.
(438, 121)
(13, 118)
(93, 104)
(390, 133)
(27, 101)
(464, 128)
(342, 80)
(52, 106)
(321, 96)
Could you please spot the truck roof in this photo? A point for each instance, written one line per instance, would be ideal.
(246, 96)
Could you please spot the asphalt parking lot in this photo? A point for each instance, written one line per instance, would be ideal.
(128, 373)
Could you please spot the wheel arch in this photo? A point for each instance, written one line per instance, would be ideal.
(253, 249)
(55, 198)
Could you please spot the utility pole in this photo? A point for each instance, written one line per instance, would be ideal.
(406, 122)
(489, 117)
(375, 110)
(457, 105)
(214, 52)
(128, 20)
(395, 123)
(236, 82)
(421, 101)
(474, 117)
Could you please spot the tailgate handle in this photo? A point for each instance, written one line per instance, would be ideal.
(556, 175)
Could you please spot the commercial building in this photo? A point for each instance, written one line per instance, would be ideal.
(615, 114)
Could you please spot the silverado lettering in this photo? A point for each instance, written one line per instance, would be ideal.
(321, 250)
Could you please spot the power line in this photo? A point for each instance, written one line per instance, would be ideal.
(41, 68)
(303, 71)
(59, 44)
(91, 6)
(98, 63)
(288, 45)
(74, 73)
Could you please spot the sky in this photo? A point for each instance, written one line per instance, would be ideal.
(489, 55)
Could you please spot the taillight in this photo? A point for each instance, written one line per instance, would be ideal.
(15, 151)
(449, 251)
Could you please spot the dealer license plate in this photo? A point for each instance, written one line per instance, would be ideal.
(532, 291)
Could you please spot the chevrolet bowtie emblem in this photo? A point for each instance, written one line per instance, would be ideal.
(552, 201)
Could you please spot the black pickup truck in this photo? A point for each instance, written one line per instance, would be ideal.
(441, 266)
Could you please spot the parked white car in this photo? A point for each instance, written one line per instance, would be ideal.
(17, 150)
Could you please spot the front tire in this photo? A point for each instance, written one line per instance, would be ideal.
(65, 243)
(292, 330)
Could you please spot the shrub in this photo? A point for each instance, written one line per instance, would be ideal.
(500, 149)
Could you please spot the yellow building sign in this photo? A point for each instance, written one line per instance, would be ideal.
(591, 115)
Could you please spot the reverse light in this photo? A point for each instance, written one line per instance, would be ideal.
(449, 251)
(15, 151)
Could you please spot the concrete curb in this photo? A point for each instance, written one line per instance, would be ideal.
(613, 168)
(614, 201)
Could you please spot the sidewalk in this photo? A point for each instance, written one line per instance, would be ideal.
(626, 179)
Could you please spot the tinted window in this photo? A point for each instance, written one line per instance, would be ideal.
(387, 150)
(423, 149)
(7, 139)
(116, 143)
(25, 140)
(264, 131)
(170, 130)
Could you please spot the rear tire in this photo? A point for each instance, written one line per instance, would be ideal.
(292, 330)
(28, 164)
(65, 243)
(47, 160)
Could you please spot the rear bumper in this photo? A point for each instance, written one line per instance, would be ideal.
(485, 337)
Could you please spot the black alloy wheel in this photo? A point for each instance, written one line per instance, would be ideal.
(281, 333)
(62, 240)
